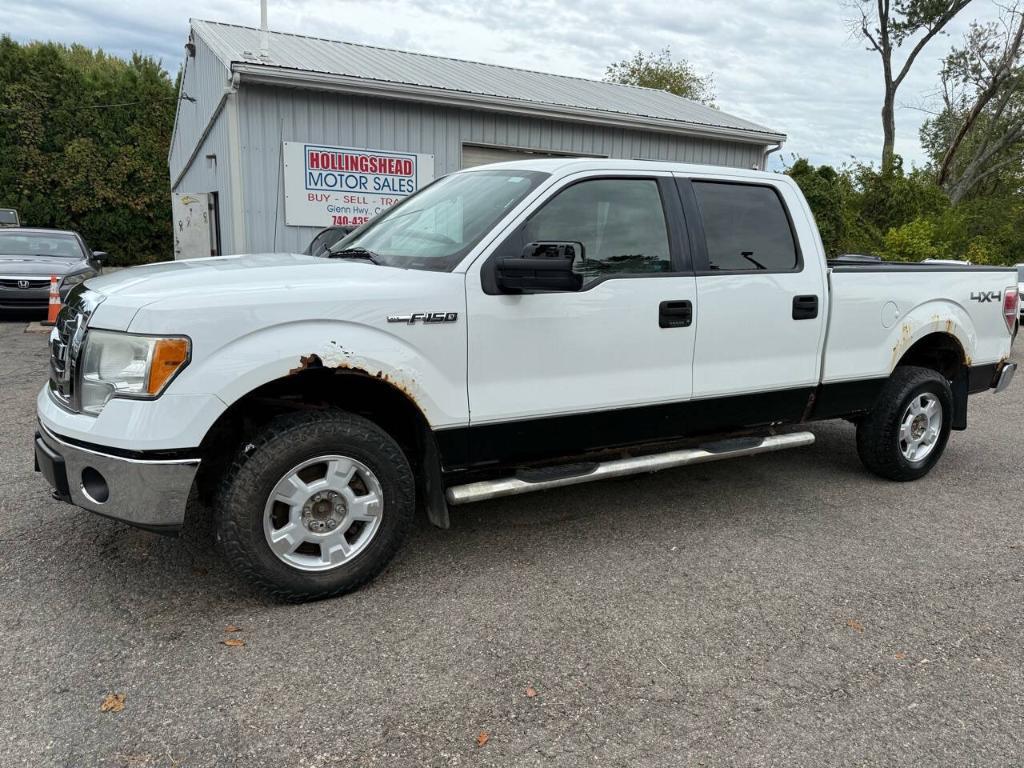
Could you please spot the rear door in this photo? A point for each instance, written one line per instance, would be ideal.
(548, 372)
(761, 300)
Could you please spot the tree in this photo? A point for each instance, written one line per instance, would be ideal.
(83, 145)
(658, 70)
(889, 26)
(823, 188)
(978, 136)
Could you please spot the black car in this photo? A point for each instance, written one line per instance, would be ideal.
(28, 257)
(325, 238)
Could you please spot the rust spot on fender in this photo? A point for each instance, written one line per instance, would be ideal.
(305, 363)
(313, 361)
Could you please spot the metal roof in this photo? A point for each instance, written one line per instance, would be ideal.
(302, 61)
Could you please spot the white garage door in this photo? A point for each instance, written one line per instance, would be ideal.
(473, 155)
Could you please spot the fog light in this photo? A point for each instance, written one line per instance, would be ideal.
(95, 486)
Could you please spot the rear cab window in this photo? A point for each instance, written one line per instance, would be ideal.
(745, 228)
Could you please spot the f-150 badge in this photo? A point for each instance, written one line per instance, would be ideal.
(425, 317)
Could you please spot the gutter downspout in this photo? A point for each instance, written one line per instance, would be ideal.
(235, 155)
(764, 160)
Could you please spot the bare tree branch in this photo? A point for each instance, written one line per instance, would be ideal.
(1001, 73)
(937, 26)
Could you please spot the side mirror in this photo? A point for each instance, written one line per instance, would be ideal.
(100, 256)
(544, 267)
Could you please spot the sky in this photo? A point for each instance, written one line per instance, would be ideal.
(791, 65)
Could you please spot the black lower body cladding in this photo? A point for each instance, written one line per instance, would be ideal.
(557, 437)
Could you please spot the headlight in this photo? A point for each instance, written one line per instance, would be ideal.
(70, 281)
(124, 365)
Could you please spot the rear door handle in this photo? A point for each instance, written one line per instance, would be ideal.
(675, 314)
(805, 307)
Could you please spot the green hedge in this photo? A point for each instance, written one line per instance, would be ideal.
(83, 145)
(906, 217)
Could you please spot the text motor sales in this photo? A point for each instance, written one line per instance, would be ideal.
(332, 170)
(345, 186)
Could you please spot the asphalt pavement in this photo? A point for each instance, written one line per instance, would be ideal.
(782, 610)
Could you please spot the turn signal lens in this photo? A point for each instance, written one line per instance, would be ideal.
(168, 356)
(1011, 307)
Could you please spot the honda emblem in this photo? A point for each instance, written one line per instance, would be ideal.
(24, 284)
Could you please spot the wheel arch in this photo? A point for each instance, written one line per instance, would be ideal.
(944, 353)
(938, 334)
(940, 351)
(376, 397)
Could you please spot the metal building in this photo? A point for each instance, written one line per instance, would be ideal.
(279, 135)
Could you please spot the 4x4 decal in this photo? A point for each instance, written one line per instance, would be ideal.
(986, 297)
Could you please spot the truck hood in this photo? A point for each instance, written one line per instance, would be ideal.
(168, 278)
(248, 286)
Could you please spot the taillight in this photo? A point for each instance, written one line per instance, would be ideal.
(1011, 307)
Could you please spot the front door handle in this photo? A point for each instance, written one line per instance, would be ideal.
(675, 314)
(805, 307)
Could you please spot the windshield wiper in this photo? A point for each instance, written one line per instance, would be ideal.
(749, 256)
(355, 253)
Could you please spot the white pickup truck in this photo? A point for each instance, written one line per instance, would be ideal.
(509, 328)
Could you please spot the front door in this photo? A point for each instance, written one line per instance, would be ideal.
(552, 374)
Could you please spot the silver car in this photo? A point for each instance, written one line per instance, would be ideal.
(28, 257)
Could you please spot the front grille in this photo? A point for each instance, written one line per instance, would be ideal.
(66, 341)
(23, 283)
(15, 302)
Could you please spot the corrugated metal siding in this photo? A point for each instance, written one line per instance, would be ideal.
(201, 178)
(205, 79)
(310, 54)
(269, 116)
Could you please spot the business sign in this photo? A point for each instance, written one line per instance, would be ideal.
(341, 186)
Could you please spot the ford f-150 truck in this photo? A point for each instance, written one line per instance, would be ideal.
(509, 328)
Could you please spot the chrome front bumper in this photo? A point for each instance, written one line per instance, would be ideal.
(148, 493)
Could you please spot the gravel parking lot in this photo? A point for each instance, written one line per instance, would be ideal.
(780, 610)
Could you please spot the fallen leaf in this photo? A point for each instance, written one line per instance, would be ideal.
(855, 625)
(112, 702)
(233, 642)
(482, 738)
(232, 628)
(900, 656)
(531, 692)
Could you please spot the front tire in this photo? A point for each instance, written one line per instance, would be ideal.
(906, 433)
(315, 505)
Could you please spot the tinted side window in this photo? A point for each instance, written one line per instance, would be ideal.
(620, 222)
(746, 227)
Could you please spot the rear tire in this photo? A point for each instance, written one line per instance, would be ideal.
(906, 433)
(315, 505)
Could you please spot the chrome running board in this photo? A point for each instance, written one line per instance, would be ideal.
(725, 449)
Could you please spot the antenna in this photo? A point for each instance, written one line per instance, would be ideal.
(264, 31)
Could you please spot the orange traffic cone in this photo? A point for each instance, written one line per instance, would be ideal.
(54, 308)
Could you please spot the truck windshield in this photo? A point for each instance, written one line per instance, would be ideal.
(434, 228)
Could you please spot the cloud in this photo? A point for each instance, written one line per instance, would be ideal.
(791, 65)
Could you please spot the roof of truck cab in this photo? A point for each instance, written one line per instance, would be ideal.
(561, 166)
